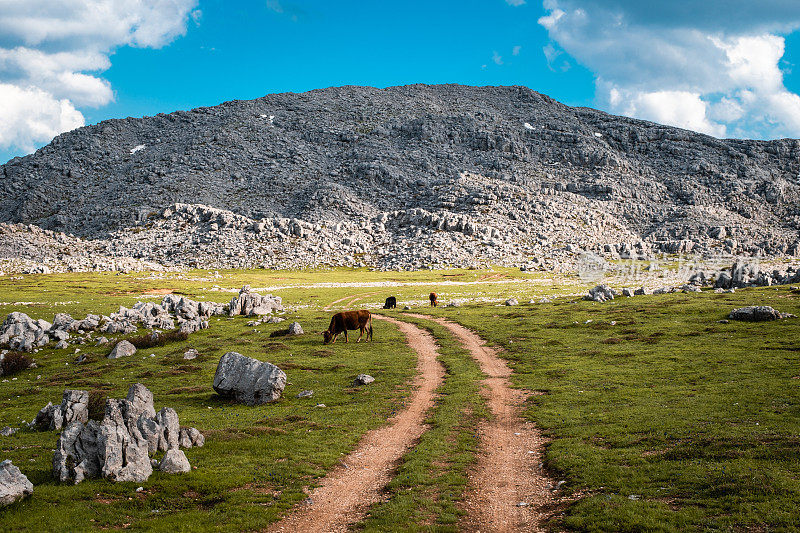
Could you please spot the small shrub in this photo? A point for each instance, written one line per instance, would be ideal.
(151, 340)
(279, 333)
(97, 404)
(14, 363)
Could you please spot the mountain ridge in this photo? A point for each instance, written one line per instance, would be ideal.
(522, 172)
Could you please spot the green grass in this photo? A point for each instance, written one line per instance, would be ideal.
(256, 460)
(660, 417)
(432, 477)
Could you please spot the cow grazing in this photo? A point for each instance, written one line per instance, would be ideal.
(391, 303)
(341, 322)
(434, 301)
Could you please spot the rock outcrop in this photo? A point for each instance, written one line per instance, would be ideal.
(249, 381)
(249, 303)
(119, 447)
(20, 332)
(74, 408)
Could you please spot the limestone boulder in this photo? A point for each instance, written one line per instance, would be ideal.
(248, 380)
(14, 485)
(122, 349)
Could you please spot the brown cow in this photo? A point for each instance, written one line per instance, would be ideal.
(434, 301)
(341, 322)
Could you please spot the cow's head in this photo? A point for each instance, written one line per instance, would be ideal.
(326, 337)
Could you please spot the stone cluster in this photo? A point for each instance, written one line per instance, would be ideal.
(119, 447)
(20, 332)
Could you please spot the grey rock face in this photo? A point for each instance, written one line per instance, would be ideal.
(174, 462)
(295, 328)
(122, 449)
(758, 313)
(14, 485)
(74, 408)
(140, 402)
(363, 379)
(249, 381)
(456, 178)
(76, 457)
(601, 293)
(167, 419)
(122, 349)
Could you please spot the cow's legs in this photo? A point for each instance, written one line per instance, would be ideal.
(345, 335)
(361, 333)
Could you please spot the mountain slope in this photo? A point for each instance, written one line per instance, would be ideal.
(503, 168)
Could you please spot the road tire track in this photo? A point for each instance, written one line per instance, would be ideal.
(508, 490)
(345, 494)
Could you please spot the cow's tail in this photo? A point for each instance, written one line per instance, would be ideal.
(370, 327)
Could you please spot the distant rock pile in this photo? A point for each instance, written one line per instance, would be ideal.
(758, 313)
(601, 293)
(20, 332)
(118, 448)
(252, 304)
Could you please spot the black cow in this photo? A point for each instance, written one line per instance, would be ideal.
(391, 303)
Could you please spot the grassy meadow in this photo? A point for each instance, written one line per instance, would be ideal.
(660, 417)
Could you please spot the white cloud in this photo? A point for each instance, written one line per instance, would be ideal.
(52, 51)
(497, 58)
(29, 115)
(672, 65)
(678, 108)
(515, 3)
(516, 50)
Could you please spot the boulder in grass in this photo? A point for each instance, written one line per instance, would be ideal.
(174, 462)
(249, 381)
(295, 329)
(13, 484)
(191, 438)
(122, 349)
(512, 301)
(601, 293)
(363, 379)
(757, 313)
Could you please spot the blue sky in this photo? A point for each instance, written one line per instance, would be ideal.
(734, 76)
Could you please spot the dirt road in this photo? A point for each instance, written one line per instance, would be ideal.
(345, 494)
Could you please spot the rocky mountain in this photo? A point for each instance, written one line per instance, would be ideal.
(408, 176)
